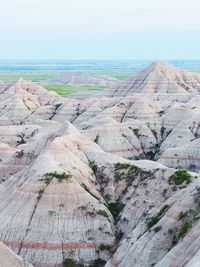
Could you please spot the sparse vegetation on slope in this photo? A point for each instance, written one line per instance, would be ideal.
(48, 177)
(103, 213)
(184, 229)
(187, 219)
(126, 171)
(180, 176)
(85, 187)
(19, 154)
(71, 263)
(121, 166)
(162, 131)
(116, 207)
(136, 132)
(155, 219)
(93, 166)
(98, 263)
(105, 247)
(96, 140)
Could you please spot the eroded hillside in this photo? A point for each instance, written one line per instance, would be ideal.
(111, 180)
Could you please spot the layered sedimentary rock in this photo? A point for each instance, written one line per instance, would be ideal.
(161, 78)
(105, 181)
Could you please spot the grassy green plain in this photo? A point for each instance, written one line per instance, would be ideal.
(66, 90)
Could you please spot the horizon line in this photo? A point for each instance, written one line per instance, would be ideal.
(99, 59)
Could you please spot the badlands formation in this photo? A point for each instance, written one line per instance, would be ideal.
(111, 180)
(82, 77)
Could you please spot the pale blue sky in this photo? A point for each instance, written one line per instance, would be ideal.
(100, 29)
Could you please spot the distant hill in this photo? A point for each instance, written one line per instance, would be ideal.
(81, 77)
(160, 78)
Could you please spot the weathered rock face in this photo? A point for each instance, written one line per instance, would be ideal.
(165, 241)
(50, 216)
(9, 259)
(95, 181)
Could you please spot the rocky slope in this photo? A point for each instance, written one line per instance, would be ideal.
(97, 182)
(9, 259)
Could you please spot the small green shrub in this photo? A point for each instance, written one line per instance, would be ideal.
(162, 130)
(129, 175)
(51, 212)
(119, 235)
(48, 177)
(136, 132)
(40, 193)
(163, 210)
(153, 220)
(85, 187)
(185, 227)
(121, 166)
(180, 176)
(157, 228)
(164, 192)
(116, 208)
(71, 263)
(19, 154)
(96, 140)
(170, 231)
(105, 247)
(98, 263)
(154, 133)
(182, 215)
(91, 213)
(88, 190)
(59, 176)
(103, 213)
(132, 172)
(93, 166)
(118, 175)
(124, 191)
